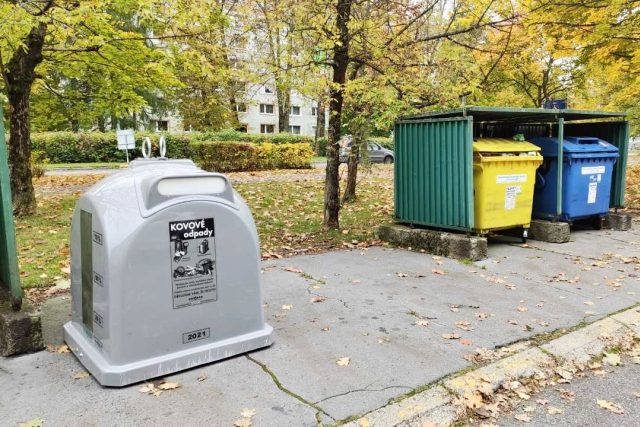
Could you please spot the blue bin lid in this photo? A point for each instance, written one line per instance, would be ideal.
(575, 145)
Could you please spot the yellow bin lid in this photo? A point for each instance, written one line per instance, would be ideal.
(502, 145)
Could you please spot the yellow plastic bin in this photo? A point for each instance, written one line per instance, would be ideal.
(504, 175)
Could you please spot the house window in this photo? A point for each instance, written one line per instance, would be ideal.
(162, 125)
(241, 107)
(295, 110)
(267, 128)
(266, 89)
(266, 108)
(314, 111)
(294, 130)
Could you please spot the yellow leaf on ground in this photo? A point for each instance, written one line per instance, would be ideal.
(168, 386)
(80, 375)
(242, 422)
(612, 359)
(247, 413)
(363, 422)
(523, 417)
(343, 361)
(552, 410)
(610, 406)
(36, 422)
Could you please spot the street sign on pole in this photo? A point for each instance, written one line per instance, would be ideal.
(126, 140)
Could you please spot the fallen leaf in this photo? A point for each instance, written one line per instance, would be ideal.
(552, 410)
(522, 308)
(451, 336)
(147, 388)
(422, 322)
(343, 361)
(529, 409)
(318, 299)
(464, 325)
(80, 375)
(247, 413)
(287, 307)
(482, 316)
(363, 422)
(36, 422)
(612, 359)
(203, 377)
(168, 386)
(428, 423)
(438, 271)
(242, 422)
(513, 322)
(402, 274)
(466, 341)
(610, 406)
(588, 303)
(523, 417)
(542, 402)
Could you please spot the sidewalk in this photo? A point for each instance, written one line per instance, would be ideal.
(403, 319)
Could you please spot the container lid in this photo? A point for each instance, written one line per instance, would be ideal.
(575, 145)
(502, 145)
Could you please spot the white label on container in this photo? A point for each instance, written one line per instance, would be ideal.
(505, 179)
(592, 170)
(510, 196)
(593, 192)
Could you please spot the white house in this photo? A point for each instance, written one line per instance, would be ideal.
(259, 112)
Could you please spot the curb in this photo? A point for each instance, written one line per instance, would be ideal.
(438, 404)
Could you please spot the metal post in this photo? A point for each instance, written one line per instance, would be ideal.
(560, 164)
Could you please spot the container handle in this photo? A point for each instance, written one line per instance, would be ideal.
(146, 147)
(587, 140)
(163, 147)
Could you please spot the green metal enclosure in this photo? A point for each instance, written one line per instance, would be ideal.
(434, 157)
(9, 277)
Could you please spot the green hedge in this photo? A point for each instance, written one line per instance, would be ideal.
(234, 135)
(88, 147)
(226, 156)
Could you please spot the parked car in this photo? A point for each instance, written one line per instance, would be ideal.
(376, 153)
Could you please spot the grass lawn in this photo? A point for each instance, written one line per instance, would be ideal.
(106, 165)
(288, 215)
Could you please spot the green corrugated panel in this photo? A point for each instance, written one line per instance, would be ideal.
(9, 277)
(434, 172)
(616, 133)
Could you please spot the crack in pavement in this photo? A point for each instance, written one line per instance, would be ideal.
(363, 390)
(285, 390)
(318, 282)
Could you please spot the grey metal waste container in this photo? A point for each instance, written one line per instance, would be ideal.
(165, 273)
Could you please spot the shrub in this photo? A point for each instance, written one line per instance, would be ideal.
(234, 135)
(89, 147)
(227, 156)
(38, 160)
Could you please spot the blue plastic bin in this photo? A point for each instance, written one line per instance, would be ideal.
(586, 181)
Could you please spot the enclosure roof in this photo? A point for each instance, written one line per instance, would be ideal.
(506, 114)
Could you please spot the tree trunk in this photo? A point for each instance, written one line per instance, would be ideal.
(320, 120)
(19, 77)
(101, 124)
(352, 173)
(284, 106)
(336, 99)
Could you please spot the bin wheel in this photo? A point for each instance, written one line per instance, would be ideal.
(525, 235)
(597, 223)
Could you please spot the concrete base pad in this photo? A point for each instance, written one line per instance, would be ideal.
(548, 231)
(617, 221)
(20, 331)
(436, 242)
